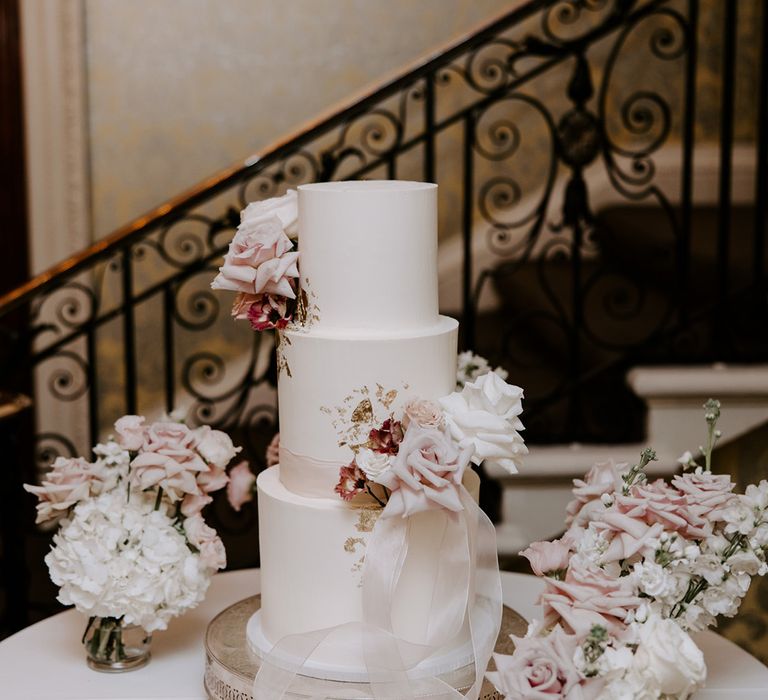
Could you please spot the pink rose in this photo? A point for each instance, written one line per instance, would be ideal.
(130, 432)
(704, 489)
(352, 482)
(588, 596)
(273, 451)
(629, 535)
(286, 208)
(215, 446)
(259, 260)
(426, 473)
(213, 479)
(603, 477)
(206, 541)
(548, 557)
(386, 438)
(425, 413)
(657, 502)
(240, 488)
(68, 482)
(539, 668)
(268, 312)
(168, 460)
(194, 504)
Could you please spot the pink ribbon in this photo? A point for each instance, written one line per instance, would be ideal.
(306, 476)
(467, 586)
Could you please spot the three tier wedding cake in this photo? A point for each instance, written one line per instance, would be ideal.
(377, 565)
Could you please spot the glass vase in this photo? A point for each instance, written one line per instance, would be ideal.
(113, 646)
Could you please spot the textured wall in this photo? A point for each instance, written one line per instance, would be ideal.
(180, 88)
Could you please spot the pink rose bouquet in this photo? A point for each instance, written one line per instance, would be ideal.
(641, 566)
(261, 265)
(147, 488)
(416, 460)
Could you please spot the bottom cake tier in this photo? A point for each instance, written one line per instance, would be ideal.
(312, 554)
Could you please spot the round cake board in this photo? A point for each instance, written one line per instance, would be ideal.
(230, 666)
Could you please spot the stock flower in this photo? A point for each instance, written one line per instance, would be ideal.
(484, 416)
(426, 473)
(386, 438)
(351, 481)
(471, 366)
(69, 481)
(241, 485)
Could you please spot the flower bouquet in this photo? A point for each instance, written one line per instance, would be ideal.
(642, 565)
(133, 550)
(261, 264)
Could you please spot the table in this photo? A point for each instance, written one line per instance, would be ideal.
(47, 662)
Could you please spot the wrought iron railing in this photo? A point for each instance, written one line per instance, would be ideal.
(543, 129)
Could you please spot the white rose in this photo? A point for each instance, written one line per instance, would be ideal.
(373, 464)
(667, 658)
(214, 446)
(285, 208)
(484, 415)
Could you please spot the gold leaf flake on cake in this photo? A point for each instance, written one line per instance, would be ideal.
(307, 311)
(363, 412)
(281, 341)
(367, 518)
(350, 544)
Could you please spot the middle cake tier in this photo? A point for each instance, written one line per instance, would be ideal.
(333, 388)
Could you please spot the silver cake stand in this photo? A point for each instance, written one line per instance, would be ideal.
(230, 666)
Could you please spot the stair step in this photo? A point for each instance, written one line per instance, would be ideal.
(533, 502)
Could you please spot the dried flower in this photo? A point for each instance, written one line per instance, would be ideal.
(352, 481)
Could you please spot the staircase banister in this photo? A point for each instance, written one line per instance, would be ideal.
(351, 107)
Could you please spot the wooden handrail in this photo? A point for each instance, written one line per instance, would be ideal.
(351, 107)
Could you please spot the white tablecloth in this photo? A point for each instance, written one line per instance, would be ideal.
(46, 660)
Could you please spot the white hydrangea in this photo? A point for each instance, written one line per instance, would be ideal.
(114, 559)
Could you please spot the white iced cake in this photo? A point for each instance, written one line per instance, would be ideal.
(370, 340)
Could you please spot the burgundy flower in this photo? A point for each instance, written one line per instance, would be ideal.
(352, 481)
(386, 438)
(267, 312)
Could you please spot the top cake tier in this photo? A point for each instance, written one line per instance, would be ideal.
(369, 254)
